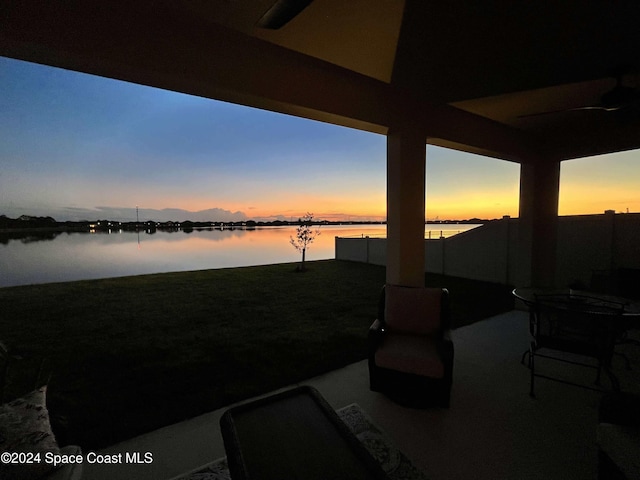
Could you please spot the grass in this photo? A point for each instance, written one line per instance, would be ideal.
(132, 354)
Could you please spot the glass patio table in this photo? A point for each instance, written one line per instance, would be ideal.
(610, 307)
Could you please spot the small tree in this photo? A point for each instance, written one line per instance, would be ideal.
(305, 236)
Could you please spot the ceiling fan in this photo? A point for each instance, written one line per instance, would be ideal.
(281, 13)
(620, 98)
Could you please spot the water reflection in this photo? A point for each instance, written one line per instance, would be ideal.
(27, 237)
(41, 257)
(63, 256)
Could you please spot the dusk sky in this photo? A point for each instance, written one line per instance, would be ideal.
(76, 146)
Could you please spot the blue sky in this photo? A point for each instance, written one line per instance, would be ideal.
(79, 146)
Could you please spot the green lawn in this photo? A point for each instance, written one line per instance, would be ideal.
(132, 354)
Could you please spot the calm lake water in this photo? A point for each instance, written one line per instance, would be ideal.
(61, 257)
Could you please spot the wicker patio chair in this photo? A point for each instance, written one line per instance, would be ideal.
(410, 347)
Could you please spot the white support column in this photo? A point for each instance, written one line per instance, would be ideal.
(538, 224)
(406, 166)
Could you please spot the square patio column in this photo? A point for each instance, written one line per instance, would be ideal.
(538, 224)
(406, 170)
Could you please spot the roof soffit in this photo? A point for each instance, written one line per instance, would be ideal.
(497, 60)
(359, 35)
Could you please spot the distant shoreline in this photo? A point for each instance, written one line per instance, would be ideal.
(25, 224)
(42, 229)
(142, 227)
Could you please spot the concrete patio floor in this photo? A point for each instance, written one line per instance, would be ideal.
(493, 429)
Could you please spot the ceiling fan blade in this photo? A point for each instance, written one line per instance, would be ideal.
(620, 98)
(281, 13)
(574, 109)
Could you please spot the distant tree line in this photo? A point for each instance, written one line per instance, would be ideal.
(26, 221)
(33, 222)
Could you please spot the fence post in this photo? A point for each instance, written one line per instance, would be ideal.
(367, 240)
(442, 249)
(507, 218)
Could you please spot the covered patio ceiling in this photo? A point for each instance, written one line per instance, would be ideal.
(473, 75)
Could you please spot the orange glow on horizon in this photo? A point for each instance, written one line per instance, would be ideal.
(593, 185)
(580, 199)
(587, 186)
(478, 204)
(575, 199)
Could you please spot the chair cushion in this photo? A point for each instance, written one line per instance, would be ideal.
(24, 427)
(413, 309)
(417, 354)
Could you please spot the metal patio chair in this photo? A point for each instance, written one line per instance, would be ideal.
(575, 324)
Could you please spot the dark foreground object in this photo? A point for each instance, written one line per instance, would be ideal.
(294, 434)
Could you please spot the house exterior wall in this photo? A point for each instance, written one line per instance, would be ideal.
(587, 244)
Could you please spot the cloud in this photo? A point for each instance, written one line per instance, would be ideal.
(211, 214)
(128, 214)
(272, 218)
